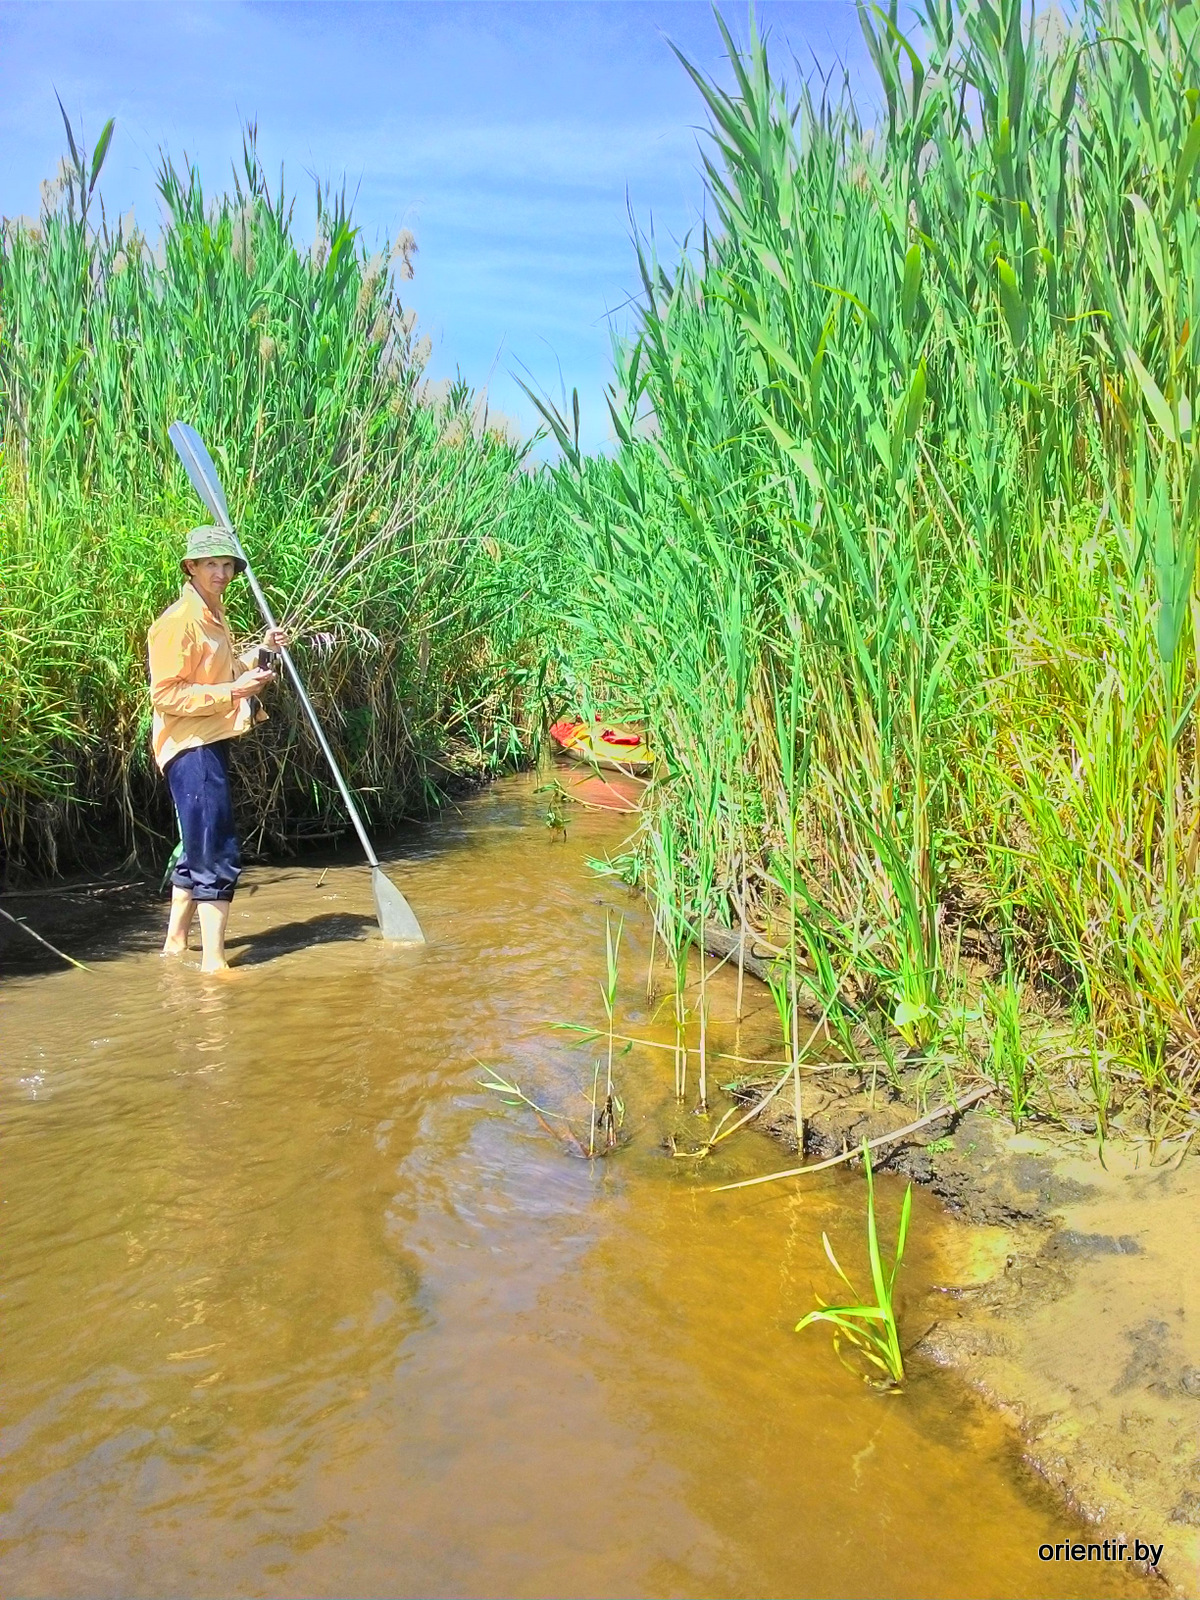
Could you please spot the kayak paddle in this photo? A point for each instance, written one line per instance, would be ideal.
(396, 920)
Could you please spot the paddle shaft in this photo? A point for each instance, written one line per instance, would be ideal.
(298, 685)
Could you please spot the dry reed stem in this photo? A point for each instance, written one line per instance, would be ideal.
(966, 1101)
(33, 934)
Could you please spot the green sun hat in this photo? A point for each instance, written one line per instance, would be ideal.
(205, 542)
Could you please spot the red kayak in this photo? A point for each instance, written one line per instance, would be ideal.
(604, 744)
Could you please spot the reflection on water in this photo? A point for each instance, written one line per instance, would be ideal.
(293, 1306)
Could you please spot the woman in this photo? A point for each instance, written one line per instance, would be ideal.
(203, 696)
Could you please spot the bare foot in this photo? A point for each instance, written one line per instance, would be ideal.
(174, 947)
(215, 966)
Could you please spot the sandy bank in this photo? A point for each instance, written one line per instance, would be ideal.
(1072, 1302)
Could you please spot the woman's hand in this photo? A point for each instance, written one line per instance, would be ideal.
(276, 639)
(251, 683)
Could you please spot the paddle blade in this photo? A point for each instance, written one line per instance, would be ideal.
(396, 920)
(198, 465)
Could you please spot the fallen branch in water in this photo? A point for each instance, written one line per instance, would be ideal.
(952, 1110)
(33, 934)
(98, 886)
(726, 943)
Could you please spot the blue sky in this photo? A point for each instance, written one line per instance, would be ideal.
(506, 136)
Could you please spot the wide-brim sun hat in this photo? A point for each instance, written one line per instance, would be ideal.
(203, 543)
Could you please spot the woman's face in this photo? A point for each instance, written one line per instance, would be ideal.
(212, 575)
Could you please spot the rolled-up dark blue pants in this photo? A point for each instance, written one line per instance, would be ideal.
(211, 862)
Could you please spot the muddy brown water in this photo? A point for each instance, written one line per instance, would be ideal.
(292, 1306)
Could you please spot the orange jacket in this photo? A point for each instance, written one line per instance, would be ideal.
(192, 671)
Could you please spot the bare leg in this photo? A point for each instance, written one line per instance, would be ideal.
(214, 914)
(182, 907)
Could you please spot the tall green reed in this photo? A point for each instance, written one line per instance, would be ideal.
(907, 476)
(390, 527)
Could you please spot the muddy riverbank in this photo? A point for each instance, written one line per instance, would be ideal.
(1073, 1305)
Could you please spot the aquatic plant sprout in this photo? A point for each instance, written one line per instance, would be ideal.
(870, 1328)
(605, 1118)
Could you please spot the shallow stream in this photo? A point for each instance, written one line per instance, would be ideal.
(293, 1306)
